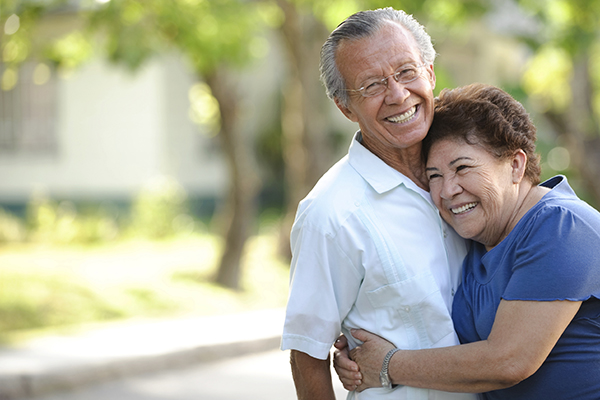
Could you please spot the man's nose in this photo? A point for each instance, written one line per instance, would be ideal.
(395, 92)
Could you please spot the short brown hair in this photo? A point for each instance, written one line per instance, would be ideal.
(486, 115)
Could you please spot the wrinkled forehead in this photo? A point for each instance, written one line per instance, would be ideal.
(386, 49)
(388, 34)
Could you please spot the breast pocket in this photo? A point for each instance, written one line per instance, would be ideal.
(415, 304)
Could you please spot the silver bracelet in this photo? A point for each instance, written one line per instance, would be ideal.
(384, 376)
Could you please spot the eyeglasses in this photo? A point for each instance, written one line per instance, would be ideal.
(405, 74)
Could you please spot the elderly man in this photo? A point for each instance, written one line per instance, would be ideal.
(369, 248)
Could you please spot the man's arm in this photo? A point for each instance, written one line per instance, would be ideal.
(312, 377)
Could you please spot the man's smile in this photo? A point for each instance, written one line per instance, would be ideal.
(404, 117)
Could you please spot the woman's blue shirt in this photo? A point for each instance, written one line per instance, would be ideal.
(553, 253)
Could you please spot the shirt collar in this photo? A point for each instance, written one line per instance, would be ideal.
(374, 170)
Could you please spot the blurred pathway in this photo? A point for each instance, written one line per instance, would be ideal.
(113, 351)
(261, 376)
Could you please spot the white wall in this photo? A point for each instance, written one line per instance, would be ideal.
(117, 131)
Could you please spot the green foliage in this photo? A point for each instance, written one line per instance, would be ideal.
(204, 109)
(547, 78)
(71, 50)
(60, 287)
(160, 210)
(209, 33)
(49, 221)
(570, 24)
(12, 229)
(24, 17)
(41, 299)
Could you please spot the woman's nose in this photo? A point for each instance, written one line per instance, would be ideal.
(450, 189)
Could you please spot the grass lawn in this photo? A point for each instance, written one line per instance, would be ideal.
(52, 288)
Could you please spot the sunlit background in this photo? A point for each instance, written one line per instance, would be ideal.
(153, 152)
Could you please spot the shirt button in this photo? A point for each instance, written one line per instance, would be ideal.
(445, 234)
(407, 309)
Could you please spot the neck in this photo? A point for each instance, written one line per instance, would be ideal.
(407, 161)
(528, 196)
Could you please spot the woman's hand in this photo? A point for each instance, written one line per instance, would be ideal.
(369, 357)
(346, 369)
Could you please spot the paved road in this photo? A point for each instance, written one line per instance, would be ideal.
(263, 376)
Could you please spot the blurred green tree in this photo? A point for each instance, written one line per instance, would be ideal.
(563, 78)
(217, 38)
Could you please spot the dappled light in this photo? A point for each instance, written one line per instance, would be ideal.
(204, 108)
(12, 24)
(547, 79)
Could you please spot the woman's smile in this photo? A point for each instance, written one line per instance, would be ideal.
(464, 208)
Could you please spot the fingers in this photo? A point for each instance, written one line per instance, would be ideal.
(347, 370)
(350, 384)
(361, 334)
(341, 358)
(353, 385)
(341, 342)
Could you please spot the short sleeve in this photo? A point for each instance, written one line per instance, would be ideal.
(323, 287)
(558, 257)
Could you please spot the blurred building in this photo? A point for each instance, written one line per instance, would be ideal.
(102, 133)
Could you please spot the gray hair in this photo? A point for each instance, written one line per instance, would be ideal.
(361, 25)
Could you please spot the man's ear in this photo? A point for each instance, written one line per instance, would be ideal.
(346, 111)
(519, 164)
(431, 75)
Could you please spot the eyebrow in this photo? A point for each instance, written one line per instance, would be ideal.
(451, 163)
(460, 159)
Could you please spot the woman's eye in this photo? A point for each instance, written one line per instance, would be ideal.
(461, 168)
(433, 176)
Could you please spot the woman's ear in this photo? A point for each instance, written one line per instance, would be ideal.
(519, 164)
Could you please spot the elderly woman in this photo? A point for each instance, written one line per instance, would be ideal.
(528, 309)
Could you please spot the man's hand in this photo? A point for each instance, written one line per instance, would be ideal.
(312, 377)
(346, 369)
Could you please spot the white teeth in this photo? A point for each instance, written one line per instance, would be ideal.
(464, 208)
(403, 117)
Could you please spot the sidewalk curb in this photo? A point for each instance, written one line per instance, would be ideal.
(63, 363)
(31, 384)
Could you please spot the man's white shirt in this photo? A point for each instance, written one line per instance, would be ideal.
(370, 251)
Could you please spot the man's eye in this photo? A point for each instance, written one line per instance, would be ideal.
(433, 176)
(406, 73)
(374, 88)
(461, 168)
(373, 85)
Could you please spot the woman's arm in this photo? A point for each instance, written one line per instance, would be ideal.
(523, 334)
(346, 369)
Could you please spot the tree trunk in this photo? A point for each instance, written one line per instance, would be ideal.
(239, 211)
(306, 143)
(580, 126)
